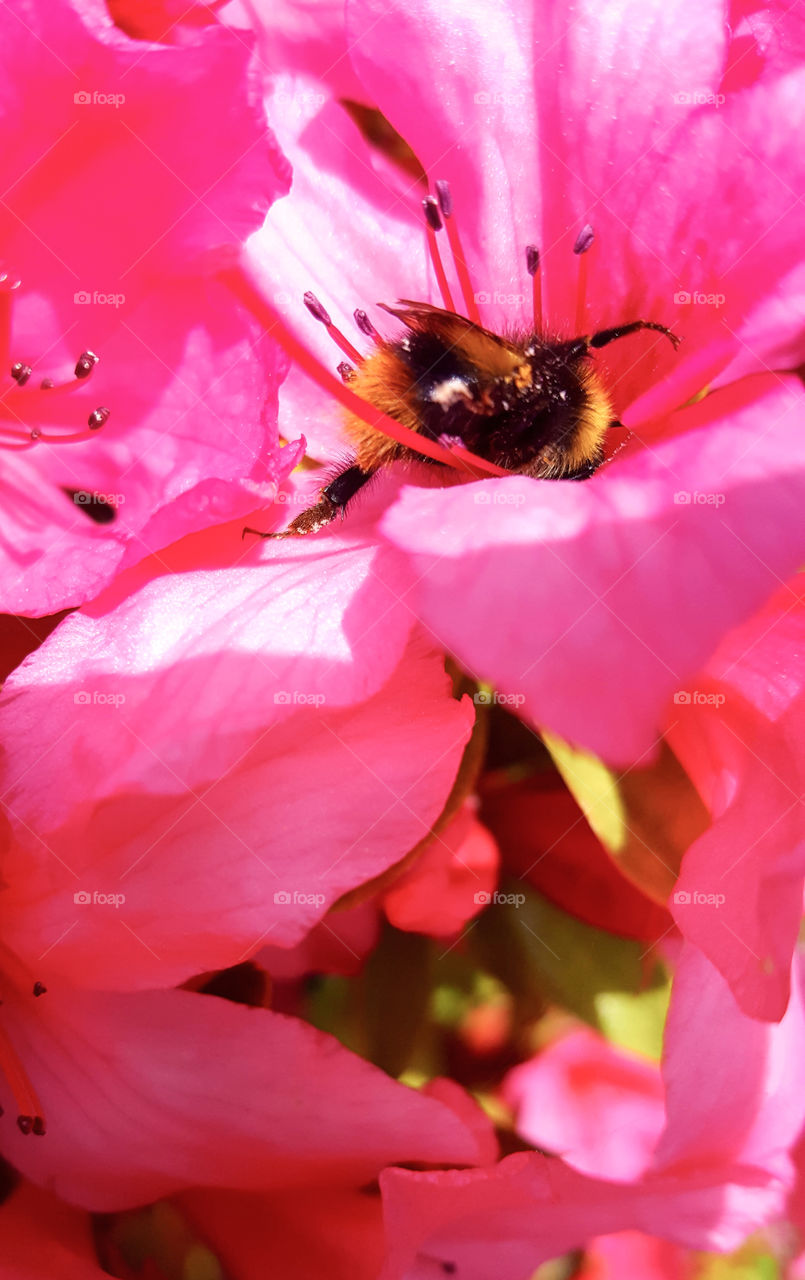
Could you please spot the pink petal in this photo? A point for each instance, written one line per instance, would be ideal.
(230, 750)
(733, 1084)
(602, 588)
(611, 95)
(122, 189)
(739, 895)
(597, 1106)
(150, 1092)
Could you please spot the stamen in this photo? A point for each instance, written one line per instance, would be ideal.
(347, 372)
(244, 281)
(39, 989)
(29, 1119)
(446, 205)
(433, 224)
(584, 241)
(365, 325)
(533, 268)
(319, 313)
(21, 373)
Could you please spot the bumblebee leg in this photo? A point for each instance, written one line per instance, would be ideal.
(333, 499)
(605, 336)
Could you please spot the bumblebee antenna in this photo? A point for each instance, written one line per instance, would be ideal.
(532, 263)
(584, 242)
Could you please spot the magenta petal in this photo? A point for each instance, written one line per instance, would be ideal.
(596, 602)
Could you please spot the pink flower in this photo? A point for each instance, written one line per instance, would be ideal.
(602, 587)
(231, 746)
(721, 1169)
(129, 169)
(740, 736)
(598, 1107)
(150, 1092)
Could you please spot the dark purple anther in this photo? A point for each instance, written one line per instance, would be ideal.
(85, 364)
(39, 988)
(532, 259)
(432, 215)
(25, 1123)
(346, 370)
(365, 325)
(316, 309)
(21, 373)
(584, 239)
(98, 417)
(46, 384)
(445, 198)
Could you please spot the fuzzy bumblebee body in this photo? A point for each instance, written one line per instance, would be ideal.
(530, 404)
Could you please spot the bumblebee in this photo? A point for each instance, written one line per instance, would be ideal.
(531, 404)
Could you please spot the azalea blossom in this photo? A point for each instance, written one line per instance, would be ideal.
(134, 401)
(597, 587)
(258, 757)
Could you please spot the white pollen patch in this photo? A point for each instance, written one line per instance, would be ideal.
(449, 392)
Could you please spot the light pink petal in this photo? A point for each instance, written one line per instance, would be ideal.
(350, 233)
(598, 1107)
(733, 1084)
(739, 895)
(593, 114)
(451, 881)
(596, 602)
(151, 1092)
(43, 1238)
(192, 414)
(122, 188)
(528, 1209)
